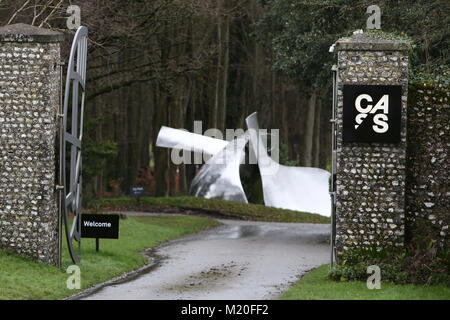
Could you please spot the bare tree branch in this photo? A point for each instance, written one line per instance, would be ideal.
(41, 12)
(51, 13)
(18, 11)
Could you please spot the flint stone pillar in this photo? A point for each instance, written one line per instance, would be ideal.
(29, 100)
(370, 147)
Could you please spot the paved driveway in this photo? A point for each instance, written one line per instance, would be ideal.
(239, 260)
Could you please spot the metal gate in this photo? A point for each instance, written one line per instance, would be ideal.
(71, 135)
(334, 128)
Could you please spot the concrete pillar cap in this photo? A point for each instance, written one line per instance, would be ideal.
(21, 32)
(366, 42)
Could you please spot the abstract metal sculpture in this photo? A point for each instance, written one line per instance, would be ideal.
(219, 177)
(182, 139)
(70, 201)
(295, 188)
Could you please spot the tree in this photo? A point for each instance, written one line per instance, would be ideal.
(298, 35)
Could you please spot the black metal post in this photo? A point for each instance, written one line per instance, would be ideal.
(60, 186)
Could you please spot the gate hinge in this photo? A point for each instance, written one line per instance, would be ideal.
(58, 187)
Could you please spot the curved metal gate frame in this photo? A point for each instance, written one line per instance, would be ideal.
(70, 199)
(334, 128)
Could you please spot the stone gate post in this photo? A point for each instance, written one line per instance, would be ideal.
(29, 100)
(372, 84)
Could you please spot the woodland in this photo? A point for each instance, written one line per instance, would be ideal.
(171, 62)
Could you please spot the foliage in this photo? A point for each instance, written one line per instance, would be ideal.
(415, 264)
(316, 285)
(300, 32)
(441, 76)
(358, 271)
(96, 156)
(229, 209)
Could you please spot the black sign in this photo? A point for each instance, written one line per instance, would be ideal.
(100, 226)
(372, 113)
(137, 192)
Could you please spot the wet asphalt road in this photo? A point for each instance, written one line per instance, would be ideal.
(239, 260)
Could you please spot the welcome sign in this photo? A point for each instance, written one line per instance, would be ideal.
(372, 113)
(100, 226)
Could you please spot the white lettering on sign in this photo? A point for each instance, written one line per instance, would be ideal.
(379, 119)
(358, 103)
(383, 105)
(97, 224)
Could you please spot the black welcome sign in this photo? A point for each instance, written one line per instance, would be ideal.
(372, 113)
(100, 226)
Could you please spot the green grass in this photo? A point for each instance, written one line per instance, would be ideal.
(22, 278)
(231, 209)
(316, 286)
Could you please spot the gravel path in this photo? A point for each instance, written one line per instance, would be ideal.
(239, 260)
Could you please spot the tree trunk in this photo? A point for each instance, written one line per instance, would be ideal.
(213, 122)
(309, 130)
(161, 177)
(224, 74)
(284, 114)
(317, 133)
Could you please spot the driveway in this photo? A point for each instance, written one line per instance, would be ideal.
(239, 260)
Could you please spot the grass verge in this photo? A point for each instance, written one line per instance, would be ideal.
(22, 278)
(316, 286)
(230, 209)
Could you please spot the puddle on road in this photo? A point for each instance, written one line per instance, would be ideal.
(249, 231)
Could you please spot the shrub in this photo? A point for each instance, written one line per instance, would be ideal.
(428, 266)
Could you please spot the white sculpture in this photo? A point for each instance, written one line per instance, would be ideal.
(219, 177)
(295, 188)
